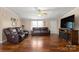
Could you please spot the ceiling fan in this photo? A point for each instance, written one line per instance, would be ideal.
(40, 11)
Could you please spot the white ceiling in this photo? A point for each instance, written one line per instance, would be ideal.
(31, 12)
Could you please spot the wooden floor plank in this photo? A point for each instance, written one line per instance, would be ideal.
(50, 43)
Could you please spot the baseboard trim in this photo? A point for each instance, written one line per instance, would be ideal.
(1, 42)
(54, 34)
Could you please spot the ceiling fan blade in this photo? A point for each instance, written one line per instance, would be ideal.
(40, 12)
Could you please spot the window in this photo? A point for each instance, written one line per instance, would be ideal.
(37, 24)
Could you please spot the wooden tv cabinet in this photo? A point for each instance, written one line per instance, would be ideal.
(69, 35)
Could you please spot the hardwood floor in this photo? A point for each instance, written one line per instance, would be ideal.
(39, 44)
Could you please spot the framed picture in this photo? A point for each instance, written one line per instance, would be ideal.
(13, 21)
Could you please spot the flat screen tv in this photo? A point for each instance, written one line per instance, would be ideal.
(68, 22)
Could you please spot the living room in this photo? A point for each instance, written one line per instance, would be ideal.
(40, 27)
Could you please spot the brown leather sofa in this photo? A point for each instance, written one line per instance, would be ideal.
(40, 31)
(13, 35)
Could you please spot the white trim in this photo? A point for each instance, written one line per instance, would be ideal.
(2, 41)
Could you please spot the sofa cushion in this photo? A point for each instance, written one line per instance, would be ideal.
(37, 31)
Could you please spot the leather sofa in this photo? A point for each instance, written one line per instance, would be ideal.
(40, 31)
(13, 35)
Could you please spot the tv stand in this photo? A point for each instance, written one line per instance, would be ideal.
(69, 35)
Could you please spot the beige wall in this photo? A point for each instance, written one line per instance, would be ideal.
(76, 13)
(5, 20)
(47, 23)
(26, 23)
(53, 27)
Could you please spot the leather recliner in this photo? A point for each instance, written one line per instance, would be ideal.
(13, 35)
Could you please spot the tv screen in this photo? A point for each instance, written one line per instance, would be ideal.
(67, 22)
(70, 25)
